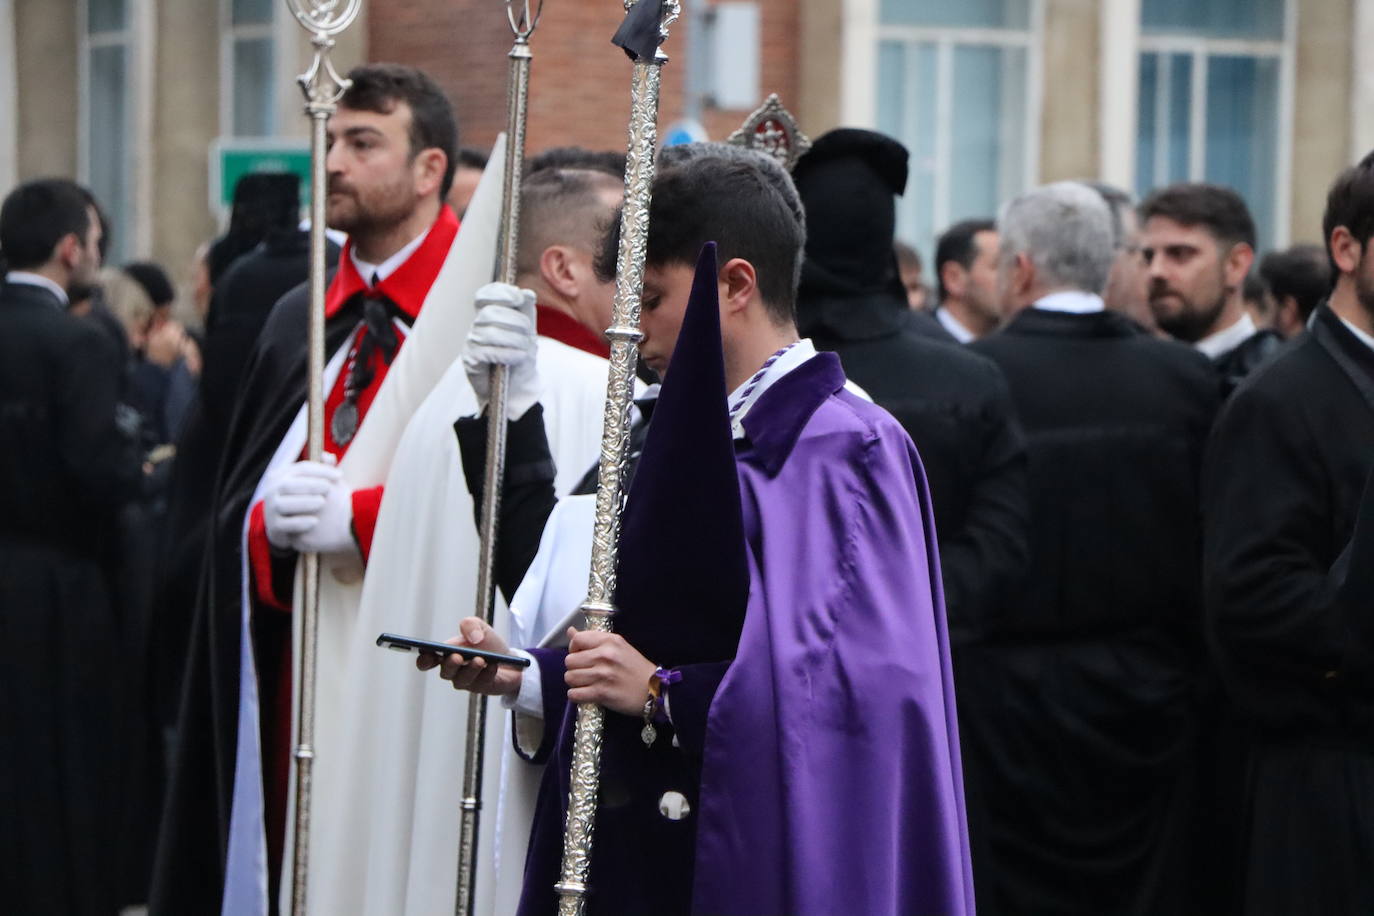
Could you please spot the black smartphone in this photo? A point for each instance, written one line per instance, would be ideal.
(407, 644)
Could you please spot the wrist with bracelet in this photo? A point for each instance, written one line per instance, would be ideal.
(654, 704)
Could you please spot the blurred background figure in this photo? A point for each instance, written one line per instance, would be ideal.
(263, 201)
(910, 267)
(69, 460)
(1296, 282)
(1084, 743)
(966, 273)
(1128, 285)
(471, 164)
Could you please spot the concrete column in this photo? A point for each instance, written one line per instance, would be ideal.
(1069, 108)
(185, 120)
(9, 93)
(45, 69)
(1322, 99)
(818, 107)
(858, 74)
(1362, 80)
(1119, 91)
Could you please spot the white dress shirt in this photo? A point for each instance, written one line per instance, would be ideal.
(1073, 301)
(1227, 339)
(954, 326)
(373, 274)
(26, 278)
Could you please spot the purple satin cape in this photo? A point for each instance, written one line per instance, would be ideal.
(831, 781)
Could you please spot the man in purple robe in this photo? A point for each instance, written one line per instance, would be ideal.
(779, 591)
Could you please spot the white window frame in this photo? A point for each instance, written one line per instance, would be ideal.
(863, 35)
(138, 38)
(229, 35)
(1200, 48)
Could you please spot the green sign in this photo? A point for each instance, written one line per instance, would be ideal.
(231, 159)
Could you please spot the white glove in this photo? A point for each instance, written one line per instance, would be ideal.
(503, 334)
(309, 509)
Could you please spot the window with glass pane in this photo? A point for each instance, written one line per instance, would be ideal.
(1252, 19)
(986, 14)
(252, 12)
(106, 16)
(107, 139)
(952, 78)
(253, 87)
(1208, 110)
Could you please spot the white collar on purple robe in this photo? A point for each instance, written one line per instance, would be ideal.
(798, 353)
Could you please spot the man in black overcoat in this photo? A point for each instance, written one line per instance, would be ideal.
(1085, 754)
(68, 464)
(1289, 570)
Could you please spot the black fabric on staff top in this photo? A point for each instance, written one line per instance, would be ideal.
(638, 36)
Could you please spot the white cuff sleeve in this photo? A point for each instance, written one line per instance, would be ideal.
(530, 700)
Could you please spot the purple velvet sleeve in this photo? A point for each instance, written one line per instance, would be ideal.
(555, 696)
(689, 703)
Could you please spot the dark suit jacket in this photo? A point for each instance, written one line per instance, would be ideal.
(1289, 512)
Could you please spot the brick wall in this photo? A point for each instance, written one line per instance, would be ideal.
(580, 83)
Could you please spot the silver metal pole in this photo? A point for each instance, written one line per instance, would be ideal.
(624, 333)
(523, 21)
(323, 87)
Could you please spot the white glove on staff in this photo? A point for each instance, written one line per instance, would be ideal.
(503, 334)
(308, 508)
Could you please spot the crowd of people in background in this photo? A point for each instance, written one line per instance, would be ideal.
(1149, 450)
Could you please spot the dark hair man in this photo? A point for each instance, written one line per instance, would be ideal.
(1298, 280)
(1289, 516)
(68, 467)
(1198, 242)
(966, 274)
(696, 814)
(1095, 650)
(392, 154)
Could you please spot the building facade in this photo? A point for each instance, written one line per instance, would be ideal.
(137, 97)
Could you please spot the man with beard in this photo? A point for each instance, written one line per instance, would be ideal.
(1199, 244)
(1086, 751)
(966, 271)
(391, 160)
(1289, 566)
(68, 465)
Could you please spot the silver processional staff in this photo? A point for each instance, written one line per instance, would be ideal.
(323, 87)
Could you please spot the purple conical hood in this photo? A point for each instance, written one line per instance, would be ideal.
(683, 579)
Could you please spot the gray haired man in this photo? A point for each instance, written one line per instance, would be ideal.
(1086, 763)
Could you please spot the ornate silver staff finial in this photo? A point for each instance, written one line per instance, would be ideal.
(323, 19)
(772, 129)
(523, 20)
(323, 87)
